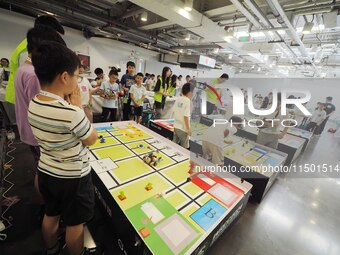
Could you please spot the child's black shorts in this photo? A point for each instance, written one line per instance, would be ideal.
(72, 199)
(136, 111)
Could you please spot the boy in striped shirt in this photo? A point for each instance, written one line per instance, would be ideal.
(63, 133)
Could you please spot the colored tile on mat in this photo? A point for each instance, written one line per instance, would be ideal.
(177, 198)
(108, 141)
(179, 173)
(208, 214)
(114, 152)
(130, 169)
(176, 233)
(140, 147)
(191, 189)
(135, 191)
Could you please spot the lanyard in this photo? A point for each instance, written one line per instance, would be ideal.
(48, 94)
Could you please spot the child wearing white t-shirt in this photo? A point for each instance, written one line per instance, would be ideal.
(85, 93)
(137, 94)
(318, 116)
(181, 110)
(109, 91)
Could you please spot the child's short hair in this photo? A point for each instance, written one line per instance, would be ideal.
(236, 119)
(186, 88)
(113, 72)
(5, 59)
(38, 34)
(130, 63)
(140, 74)
(98, 71)
(49, 21)
(51, 59)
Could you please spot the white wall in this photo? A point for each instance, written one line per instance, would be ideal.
(103, 52)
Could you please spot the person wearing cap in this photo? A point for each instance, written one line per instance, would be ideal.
(330, 109)
(212, 99)
(19, 55)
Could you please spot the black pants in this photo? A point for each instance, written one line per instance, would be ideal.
(210, 108)
(109, 114)
(323, 125)
(127, 110)
(311, 127)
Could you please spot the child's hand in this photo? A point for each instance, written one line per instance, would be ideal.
(189, 131)
(137, 105)
(75, 98)
(228, 142)
(281, 135)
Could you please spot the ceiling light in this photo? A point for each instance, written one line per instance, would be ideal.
(312, 222)
(187, 38)
(307, 28)
(230, 56)
(241, 61)
(144, 16)
(257, 34)
(216, 50)
(253, 67)
(229, 34)
(271, 66)
(181, 51)
(188, 4)
(259, 69)
(321, 27)
(314, 204)
(241, 34)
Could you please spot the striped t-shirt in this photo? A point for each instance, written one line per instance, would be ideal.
(59, 128)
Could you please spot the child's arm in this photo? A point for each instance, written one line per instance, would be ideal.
(187, 124)
(91, 139)
(90, 101)
(134, 100)
(144, 95)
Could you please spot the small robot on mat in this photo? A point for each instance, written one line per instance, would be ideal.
(151, 159)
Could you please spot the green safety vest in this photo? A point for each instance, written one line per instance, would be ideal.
(159, 95)
(171, 91)
(211, 95)
(14, 65)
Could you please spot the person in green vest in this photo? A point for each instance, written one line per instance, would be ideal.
(172, 86)
(212, 100)
(19, 55)
(161, 91)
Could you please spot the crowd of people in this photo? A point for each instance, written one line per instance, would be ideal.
(52, 97)
(53, 105)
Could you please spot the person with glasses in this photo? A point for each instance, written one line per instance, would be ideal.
(63, 132)
(27, 86)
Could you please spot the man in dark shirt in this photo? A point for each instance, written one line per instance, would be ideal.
(330, 109)
(127, 81)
